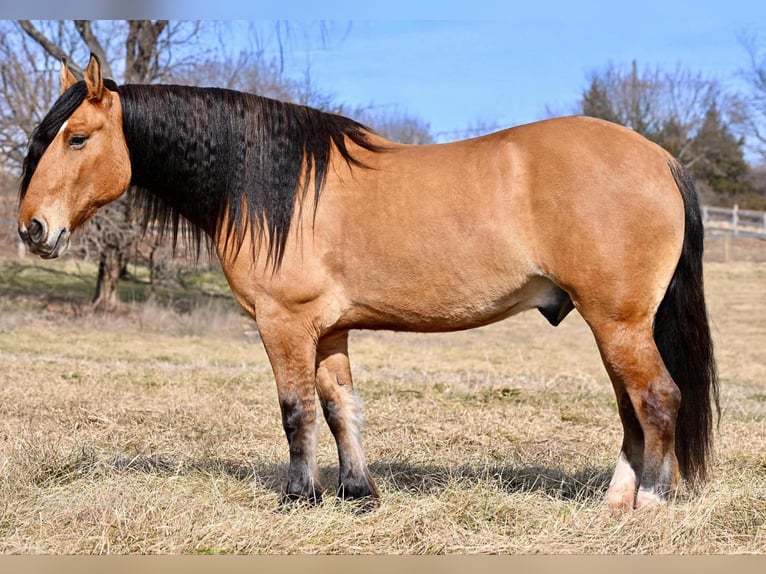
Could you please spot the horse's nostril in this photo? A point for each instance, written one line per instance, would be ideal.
(36, 230)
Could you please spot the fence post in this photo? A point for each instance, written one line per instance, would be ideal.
(735, 220)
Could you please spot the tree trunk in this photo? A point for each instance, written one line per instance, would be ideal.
(113, 234)
(110, 265)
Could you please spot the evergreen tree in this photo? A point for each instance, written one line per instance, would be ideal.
(597, 103)
(674, 138)
(719, 158)
(681, 112)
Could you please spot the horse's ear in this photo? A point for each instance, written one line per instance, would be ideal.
(67, 79)
(94, 81)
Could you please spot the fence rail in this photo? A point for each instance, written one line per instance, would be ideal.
(735, 222)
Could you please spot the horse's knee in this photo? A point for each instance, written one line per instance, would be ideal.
(334, 385)
(637, 371)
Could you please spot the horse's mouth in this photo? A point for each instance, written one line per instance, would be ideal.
(48, 251)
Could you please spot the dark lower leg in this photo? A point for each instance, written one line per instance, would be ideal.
(660, 401)
(292, 358)
(343, 416)
(299, 421)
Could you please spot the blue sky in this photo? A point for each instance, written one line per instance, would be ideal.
(513, 67)
(491, 61)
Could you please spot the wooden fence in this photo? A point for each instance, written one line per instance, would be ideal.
(734, 222)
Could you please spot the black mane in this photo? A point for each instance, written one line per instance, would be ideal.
(208, 155)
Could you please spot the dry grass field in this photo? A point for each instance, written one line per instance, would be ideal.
(157, 430)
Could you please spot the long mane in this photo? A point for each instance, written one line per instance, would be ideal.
(202, 158)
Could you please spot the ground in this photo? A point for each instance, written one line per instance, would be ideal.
(157, 430)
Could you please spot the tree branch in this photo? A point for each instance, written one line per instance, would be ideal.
(86, 33)
(141, 47)
(52, 49)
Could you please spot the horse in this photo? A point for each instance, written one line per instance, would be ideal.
(323, 226)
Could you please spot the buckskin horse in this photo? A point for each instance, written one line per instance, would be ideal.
(323, 226)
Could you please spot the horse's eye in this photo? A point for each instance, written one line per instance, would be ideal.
(77, 142)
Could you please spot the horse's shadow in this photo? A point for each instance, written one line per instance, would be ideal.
(418, 479)
(586, 483)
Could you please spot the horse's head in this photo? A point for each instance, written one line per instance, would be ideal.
(77, 162)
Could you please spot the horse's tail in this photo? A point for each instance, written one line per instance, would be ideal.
(682, 335)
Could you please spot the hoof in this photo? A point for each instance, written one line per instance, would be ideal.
(619, 502)
(362, 493)
(649, 499)
(307, 496)
(352, 488)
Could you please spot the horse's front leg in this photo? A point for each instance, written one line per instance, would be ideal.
(344, 417)
(292, 353)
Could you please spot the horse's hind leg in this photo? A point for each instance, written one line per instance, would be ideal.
(343, 415)
(648, 400)
(621, 495)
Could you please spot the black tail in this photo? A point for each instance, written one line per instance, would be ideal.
(682, 335)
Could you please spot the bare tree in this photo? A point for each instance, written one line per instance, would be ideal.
(396, 125)
(27, 90)
(136, 51)
(246, 71)
(687, 113)
(645, 100)
(754, 108)
(254, 72)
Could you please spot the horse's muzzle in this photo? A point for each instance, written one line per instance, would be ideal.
(41, 242)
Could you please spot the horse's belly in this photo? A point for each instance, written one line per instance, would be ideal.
(429, 308)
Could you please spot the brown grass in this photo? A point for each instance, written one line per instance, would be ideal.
(156, 431)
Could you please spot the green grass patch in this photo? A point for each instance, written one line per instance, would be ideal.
(70, 282)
